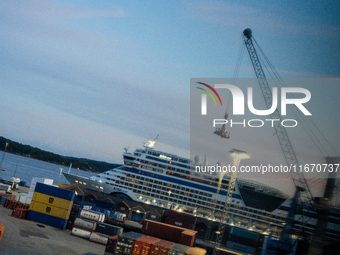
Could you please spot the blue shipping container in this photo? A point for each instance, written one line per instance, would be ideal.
(3, 199)
(47, 219)
(22, 184)
(87, 206)
(54, 191)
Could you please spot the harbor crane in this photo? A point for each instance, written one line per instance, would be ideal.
(285, 242)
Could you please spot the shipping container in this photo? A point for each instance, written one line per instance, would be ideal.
(3, 199)
(2, 228)
(178, 223)
(98, 238)
(188, 238)
(163, 231)
(52, 200)
(46, 219)
(178, 249)
(108, 229)
(87, 206)
(126, 241)
(226, 252)
(81, 233)
(142, 245)
(111, 244)
(196, 251)
(54, 191)
(20, 213)
(92, 215)
(22, 184)
(242, 240)
(240, 247)
(161, 247)
(244, 233)
(50, 210)
(85, 224)
(182, 217)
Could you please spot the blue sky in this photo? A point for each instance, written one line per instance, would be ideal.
(88, 78)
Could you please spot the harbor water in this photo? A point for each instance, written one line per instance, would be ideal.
(26, 168)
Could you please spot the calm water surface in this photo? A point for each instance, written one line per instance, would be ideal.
(26, 168)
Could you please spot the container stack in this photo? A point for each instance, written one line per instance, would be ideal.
(90, 225)
(132, 243)
(51, 205)
(169, 232)
(244, 240)
(183, 220)
(34, 182)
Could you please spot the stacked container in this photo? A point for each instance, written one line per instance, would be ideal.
(90, 226)
(138, 244)
(244, 240)
(183, 220)
(51, 205)
(34, 182)
(169, 232)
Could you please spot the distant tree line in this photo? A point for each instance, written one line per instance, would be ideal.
(36, 153)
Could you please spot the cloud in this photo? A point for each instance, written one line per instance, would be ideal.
(269, 18)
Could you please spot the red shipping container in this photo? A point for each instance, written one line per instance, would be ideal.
(162, 231)
(188, 238)
(111, 244)
(178, 223)
(142, 245)
(20, 213)
(182, 217)
(242, 240)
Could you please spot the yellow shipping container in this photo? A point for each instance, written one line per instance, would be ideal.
(50, 210)
(51, 200)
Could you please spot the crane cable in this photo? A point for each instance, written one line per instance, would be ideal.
(302, 120)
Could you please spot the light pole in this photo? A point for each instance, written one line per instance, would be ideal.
(3, 156)
(237, 155)
(169, 198)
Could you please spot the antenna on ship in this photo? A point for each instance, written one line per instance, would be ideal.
(150, 144)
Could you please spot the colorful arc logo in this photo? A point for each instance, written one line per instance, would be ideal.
(204, 97)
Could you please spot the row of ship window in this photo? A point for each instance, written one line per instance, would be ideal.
(174, 188)
(157, 154)
(208, 180)
(211, 183)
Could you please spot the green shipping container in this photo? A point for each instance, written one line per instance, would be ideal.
(244, 233)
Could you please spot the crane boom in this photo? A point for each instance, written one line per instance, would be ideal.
(286, 146)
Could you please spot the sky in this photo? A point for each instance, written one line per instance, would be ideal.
(89, 78)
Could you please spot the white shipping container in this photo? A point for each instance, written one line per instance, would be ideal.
(5, 187)
(85, 224)
(92, 215)
(23, 198)
(97, 238)
(81, 233)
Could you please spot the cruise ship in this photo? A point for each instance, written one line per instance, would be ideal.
(167, 180)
